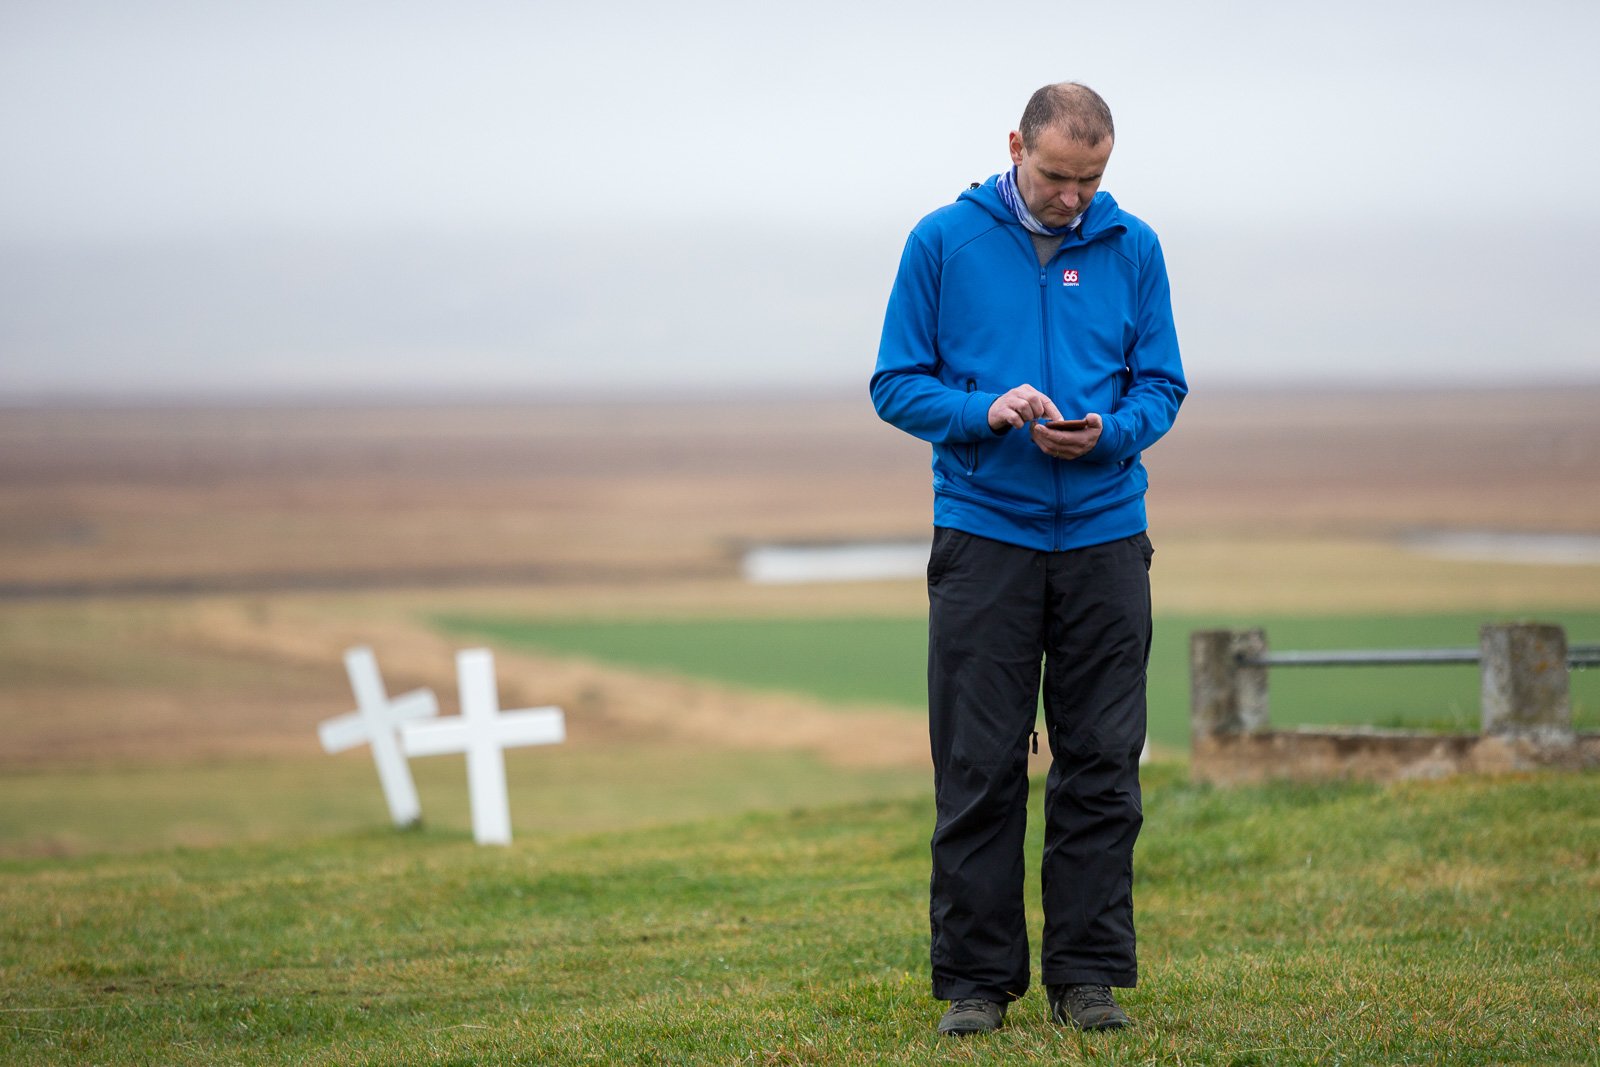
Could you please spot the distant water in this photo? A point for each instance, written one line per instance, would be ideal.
(869, 561)
(855, 562)
(1492, 547)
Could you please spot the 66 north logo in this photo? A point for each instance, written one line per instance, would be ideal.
(1069, 277)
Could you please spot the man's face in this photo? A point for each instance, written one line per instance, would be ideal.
(1058, 176)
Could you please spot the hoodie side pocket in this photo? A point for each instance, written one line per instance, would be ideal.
(969, 451)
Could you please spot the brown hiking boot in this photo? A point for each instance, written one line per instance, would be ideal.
(1087, 1007)
(971, 1015)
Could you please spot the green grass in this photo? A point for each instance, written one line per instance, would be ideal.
(1342, 924)
(868, 659)
(883, 660)
(561, 790)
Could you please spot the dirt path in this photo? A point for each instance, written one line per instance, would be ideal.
(602, 702)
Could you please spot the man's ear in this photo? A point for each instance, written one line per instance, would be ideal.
(1015, 141)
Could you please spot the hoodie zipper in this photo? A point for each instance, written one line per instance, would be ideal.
(1048, 381)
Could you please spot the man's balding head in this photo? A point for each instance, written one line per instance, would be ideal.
(1071, 108)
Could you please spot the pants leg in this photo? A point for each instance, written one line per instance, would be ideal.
(1097, 652)
(985, 628)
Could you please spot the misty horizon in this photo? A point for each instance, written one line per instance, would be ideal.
(287, 198)
(551, 311)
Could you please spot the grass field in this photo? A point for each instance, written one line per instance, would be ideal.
(881, 660)
(627, 785)
(1427, 923)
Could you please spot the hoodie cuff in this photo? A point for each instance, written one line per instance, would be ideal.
(1109, 447)
(975, 416)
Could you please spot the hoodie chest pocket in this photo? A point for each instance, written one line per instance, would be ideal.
(1092, 314)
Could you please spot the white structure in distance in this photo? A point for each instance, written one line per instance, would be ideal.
(377, 723)
(867, 561)
(483, 732)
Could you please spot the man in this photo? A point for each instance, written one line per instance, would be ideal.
(1029, 338)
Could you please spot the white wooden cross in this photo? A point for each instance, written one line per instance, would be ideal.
(377, 722)
(484, 732)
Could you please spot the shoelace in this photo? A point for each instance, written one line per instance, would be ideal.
(1090, 996)
(971, 1004)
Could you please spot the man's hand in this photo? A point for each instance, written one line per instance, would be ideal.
(1068, 444)
(1019, 407)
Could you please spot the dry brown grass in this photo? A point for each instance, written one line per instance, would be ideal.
(1261, 502)
(225, 677)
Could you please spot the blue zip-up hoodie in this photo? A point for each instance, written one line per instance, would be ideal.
(973, 315)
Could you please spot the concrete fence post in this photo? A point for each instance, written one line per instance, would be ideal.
(1225, 696)
(1525, 684)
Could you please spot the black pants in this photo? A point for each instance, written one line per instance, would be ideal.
(996, 611)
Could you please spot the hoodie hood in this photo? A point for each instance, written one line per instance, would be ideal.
(1101, 217)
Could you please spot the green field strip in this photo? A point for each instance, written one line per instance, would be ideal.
(879, 660)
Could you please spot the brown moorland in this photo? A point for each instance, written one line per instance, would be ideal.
(179, 582)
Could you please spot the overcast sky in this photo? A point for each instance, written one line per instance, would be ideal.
(295, 195)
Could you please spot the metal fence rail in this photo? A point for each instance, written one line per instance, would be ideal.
(1577, 656)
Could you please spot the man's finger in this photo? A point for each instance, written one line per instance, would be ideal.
(1036, 404)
